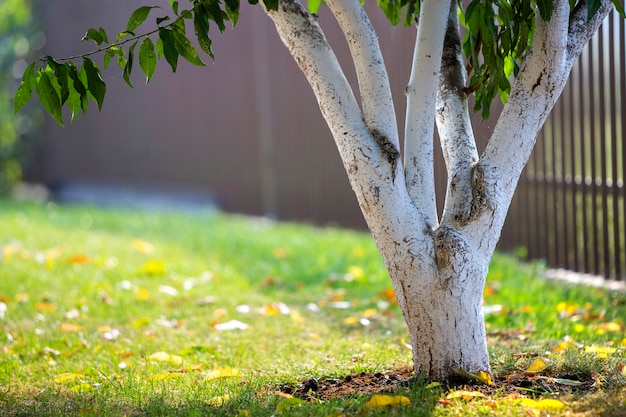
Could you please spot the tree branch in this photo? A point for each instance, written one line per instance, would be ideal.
(368, 156)
(421, 102)
(581, 29)
(455, 127)
(376, 99)
(539, 84)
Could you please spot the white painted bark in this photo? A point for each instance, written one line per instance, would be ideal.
(420, 108)
(376, 100)
(438, 271)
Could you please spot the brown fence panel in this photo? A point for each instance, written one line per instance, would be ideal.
(572, 190)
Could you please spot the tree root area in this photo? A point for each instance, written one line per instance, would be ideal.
(400, 379)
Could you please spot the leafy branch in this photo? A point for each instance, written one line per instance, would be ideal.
(64, 82)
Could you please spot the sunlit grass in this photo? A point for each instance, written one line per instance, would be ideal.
(91, 296)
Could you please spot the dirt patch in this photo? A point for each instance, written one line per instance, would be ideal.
(389, 382)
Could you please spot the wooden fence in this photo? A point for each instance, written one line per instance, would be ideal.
(569, 208)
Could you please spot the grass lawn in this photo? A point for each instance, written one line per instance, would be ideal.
(125, 313)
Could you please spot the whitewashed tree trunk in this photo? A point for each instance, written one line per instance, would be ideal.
(437, 266)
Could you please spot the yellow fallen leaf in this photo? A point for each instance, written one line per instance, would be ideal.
(480, 376)
(155, 267)
(82, 388)
(164, 376)
(546, 404)
(356, 271)
(351, 320)
(537, 366)
(280, 253)
(296, 317)
(369, 313)
(602, 352)
(223, 373)
(165, 357)
(71, 328)
(59, 379)
(142, 246)
(45, 307)
(609, 327)
(464, 395)
(381, 400)
(141, 294)
(218, 401)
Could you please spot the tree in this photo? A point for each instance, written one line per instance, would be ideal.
(522, 50)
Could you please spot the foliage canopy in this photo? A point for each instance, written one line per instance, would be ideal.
(498, 35)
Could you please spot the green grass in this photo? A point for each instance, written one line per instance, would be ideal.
(91, 294)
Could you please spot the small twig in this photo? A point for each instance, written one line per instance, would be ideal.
(109, 46)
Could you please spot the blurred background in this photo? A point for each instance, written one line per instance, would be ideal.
(245, 134)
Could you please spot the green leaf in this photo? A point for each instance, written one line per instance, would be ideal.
(201, 28)
(147, 58)
(103, 33)
(49, 97)
(94, 35)
(169, 47)
(138, 17)
(128, 68)
(60, 75)
(232, 10)
(546, 7)
(78, 87)
(184, 46)
(174, 5)
(25, 90)
(592, 8)
(160, 20)
(96, 86)
(314, 6)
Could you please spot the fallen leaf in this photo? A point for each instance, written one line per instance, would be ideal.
(82, 388)
(59, 379)
(44, 306)
(381, 400)
(536, 366)
(142, 294)
(465, 395)
(569, 382)
(79, 259)
(602, 352)
(193, 367)
(155, 267)
(164, 376)
(218, 401)
(166, 289)
(280, 253)
(71, 328)
(142, 246)
(546, 404)
(356, 272)
(480, 376)
(223, 373)
(296, 317)
(230, 325)
(165, 357)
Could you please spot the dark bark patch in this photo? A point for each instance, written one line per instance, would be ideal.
(448, 245)
(388, 150)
